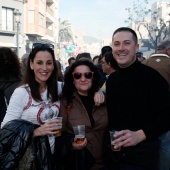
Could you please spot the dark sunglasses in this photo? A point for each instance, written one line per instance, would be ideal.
(40, 45)
(87, 75)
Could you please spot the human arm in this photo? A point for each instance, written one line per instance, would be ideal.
(99, 97)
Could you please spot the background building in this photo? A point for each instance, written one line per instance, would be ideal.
(38, 22)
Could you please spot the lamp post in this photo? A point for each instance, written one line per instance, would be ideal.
(17, 15)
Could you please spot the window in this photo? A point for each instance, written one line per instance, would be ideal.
(7, 19)
(41, 20)
(31, 16)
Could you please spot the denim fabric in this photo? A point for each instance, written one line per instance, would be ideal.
(164, 159)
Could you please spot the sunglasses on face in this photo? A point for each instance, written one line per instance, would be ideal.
(87, 75)
(40, 45)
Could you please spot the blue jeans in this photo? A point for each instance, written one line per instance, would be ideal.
(164, 154)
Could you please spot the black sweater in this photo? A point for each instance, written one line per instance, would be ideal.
(138, 98)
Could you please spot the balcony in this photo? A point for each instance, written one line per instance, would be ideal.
(50, 33)
(50, 11)
(50, 1)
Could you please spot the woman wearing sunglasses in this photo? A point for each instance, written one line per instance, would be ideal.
(78, 108)
(29, 119)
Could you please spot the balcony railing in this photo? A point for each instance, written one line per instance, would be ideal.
(50, 1)
(49, 32)
(50, 11)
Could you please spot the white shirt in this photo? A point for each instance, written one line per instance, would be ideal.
(23, 106)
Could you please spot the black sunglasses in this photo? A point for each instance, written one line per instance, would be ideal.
(40, 45)
(87, 75)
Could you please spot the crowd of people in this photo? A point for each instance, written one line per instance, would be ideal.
(117, 90)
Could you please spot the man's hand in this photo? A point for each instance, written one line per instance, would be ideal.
(128, 138)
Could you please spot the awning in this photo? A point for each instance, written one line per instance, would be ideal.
(3, 44)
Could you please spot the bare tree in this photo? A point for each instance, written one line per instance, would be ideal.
(157, 29)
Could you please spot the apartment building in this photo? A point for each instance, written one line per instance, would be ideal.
(8, 23)
(38, 23)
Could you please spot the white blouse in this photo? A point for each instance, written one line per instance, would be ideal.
(23, 106)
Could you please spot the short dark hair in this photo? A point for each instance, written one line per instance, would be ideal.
(127, 29)
(110, 59)
(164, 45)
(106, 49)
(69, 86)
(70, 59)
(84, 55)
(95, 57)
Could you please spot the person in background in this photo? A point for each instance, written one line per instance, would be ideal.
(35, 103)
(104, 50)
(95, 59)
(109, 65)
(160, 61)
(24, 60)
(60, 74)
(78, 108)
(10, 77)
(71, 60)
(83, 55)
(139, 56)
(139, 127)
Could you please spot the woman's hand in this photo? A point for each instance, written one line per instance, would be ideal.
(99, 98)
(48, 128)
(128, 138)
(79, 146)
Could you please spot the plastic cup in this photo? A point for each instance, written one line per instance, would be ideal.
(57, 128)
(112, 138)
(79, 131)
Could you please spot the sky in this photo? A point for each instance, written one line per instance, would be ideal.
(96, 18)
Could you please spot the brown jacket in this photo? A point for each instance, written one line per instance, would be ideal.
(161, 63)
(78, 115)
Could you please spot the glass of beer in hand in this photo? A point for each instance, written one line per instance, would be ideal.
(58, 128)
(112, 138)
(79, 131)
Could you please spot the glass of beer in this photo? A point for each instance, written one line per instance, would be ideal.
(79, 131)
(112, 138)
(58, 129)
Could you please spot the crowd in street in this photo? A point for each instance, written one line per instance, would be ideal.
(116, 90)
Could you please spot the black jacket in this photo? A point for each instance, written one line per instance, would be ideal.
(7, 87)
(15, 137)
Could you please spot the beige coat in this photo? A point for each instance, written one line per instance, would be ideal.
(161, 63)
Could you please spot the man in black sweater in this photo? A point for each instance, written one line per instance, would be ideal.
(139, 125)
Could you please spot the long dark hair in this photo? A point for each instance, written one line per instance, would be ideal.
(29, 78)
(69, 87)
